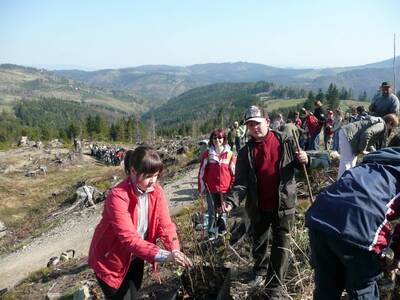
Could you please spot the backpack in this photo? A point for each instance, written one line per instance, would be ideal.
(313, 124)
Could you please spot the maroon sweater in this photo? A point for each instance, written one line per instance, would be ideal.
(267, 155)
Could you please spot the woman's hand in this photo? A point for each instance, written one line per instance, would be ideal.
(181, 259)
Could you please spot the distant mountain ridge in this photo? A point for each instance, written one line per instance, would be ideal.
(162, 82)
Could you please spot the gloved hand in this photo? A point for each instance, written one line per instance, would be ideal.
(174, 256)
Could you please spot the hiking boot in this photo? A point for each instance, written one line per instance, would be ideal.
(274, 294)
(259, 280)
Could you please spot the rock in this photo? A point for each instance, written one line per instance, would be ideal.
(82, 294)
(23, 141)
(319, 159)
(53, 261)
(2, 226)
(54, 296)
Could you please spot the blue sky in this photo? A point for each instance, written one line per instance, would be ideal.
(103, 34)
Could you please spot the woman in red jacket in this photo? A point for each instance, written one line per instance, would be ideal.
(216, 175)
(135, 215)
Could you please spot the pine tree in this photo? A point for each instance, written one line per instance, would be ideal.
(310, 96)
(320, 96)
(363, 96)
(343, 95)
(332, 96)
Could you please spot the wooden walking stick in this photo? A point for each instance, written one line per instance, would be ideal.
(294, 133)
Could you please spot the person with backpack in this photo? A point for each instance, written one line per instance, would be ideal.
(135, 215)
(215, 178)
(313, 129)
(349, 228)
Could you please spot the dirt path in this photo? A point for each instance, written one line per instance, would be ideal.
(76, 234)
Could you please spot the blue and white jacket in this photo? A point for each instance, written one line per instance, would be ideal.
(358, 207)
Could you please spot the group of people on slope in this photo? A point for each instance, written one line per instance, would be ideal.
(344, 242)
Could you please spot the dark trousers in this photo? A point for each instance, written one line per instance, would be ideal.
(130, 285)
(237, 144)
(313, 142)
(216, 221)
(276, 266)
(340, 266)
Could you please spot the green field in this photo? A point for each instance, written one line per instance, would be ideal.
(277, 104)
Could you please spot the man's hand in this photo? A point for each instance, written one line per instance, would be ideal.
(302, 157)
(226, 207)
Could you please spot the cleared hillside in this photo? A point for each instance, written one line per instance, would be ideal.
(21, 83)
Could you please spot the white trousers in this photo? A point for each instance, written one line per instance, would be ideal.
(347, 158)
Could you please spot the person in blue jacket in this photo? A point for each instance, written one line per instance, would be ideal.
(350, 230)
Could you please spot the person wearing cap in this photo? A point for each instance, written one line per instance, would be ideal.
(265, 177)
(386, 103)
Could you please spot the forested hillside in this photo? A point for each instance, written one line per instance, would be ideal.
(46, 119)
(200, 109)
(159, 82)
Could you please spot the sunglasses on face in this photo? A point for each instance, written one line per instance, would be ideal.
(218, 138)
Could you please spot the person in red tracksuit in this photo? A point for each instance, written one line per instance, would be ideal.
(135, 215)
(216, 175)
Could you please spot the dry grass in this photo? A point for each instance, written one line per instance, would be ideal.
(26, 202)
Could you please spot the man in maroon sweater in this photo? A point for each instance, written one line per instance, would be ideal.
(265, 177)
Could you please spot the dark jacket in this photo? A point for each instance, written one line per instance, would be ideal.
(356, 208)
(245, 184)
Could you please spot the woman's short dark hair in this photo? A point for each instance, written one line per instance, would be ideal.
(144, 159)
(217, 132)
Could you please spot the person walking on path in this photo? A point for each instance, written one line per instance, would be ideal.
(350, 231)
(265, 177)
(135, 215)
(386, 103)
(215, 178)
(356, 138)
(239, 135)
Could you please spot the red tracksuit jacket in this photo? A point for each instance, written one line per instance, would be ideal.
(116, 241)
(217, 171)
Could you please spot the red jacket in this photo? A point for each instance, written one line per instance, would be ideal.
(116, 241)
(217, 171)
